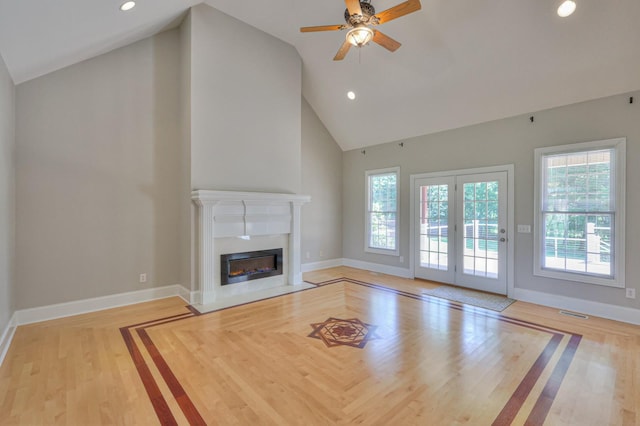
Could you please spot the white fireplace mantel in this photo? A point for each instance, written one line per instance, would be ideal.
(245, 214)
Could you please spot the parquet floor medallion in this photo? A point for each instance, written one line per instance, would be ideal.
(343, 332)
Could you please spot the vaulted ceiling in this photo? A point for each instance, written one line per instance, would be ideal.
(461, 62)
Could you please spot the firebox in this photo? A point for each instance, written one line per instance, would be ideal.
(252, 265)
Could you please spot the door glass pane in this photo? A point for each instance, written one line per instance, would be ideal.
(492, 191)
(434, 226)
(481, 233)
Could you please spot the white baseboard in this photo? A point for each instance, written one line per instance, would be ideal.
(76, 307)
(376, 267)
(7, 336)
(360, 264)
(186, 294)
(603, 310)
(324, 264)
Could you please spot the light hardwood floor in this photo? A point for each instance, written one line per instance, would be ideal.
(411, 359)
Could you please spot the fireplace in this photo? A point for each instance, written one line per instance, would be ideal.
(262, 221)
(239, 267)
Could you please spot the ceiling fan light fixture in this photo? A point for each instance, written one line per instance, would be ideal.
(360, 17)
(566, 8)
(360, 35)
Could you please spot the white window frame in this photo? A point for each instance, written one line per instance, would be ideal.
(367, 232)
(619, 148)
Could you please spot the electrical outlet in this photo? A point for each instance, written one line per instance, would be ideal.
(143, 278)
(321, 253)
(308, 255)
(401, 259)
(631, 293)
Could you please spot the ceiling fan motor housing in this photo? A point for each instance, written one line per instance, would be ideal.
(367, 12)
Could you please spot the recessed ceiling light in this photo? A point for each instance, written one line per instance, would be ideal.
(351, 95)
(566, 8)
(128, 5)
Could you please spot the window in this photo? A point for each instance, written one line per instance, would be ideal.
(382, 211)
(580, 212)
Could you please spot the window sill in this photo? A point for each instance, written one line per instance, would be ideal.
(382, 251)
(581, 278)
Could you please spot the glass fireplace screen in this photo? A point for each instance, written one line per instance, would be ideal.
(238, 267)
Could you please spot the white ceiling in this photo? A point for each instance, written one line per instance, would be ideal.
(461, 62)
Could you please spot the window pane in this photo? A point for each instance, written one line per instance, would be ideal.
(383, 192)
(578, 243)
(600, 203)
(469, 211)
(578, 182)
(492, 191)
(578, 212)
(383, 207)
(469, 193)
(383, 231)
(481, 191)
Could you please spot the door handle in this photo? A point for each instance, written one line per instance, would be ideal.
(503, 239)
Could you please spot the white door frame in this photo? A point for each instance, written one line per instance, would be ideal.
(509, 168)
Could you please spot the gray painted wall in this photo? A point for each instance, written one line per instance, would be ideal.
(245, 107)
(507, 141)
(108, 151)
(7, 195)
(185, 154)
(97, 182)
(322, 179)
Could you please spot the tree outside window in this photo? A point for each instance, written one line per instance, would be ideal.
(580, 211)
(382, 211)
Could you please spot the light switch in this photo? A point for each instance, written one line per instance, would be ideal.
(524, 229)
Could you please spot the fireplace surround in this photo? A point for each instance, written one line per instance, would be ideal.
(252, 221)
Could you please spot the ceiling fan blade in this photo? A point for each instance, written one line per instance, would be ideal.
(398, 10)
(385, 41)
(321, 28)
(354, 7)
(342, 52)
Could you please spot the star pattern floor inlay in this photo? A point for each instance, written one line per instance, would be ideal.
(344, 332)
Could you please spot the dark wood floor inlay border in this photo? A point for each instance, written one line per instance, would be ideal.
(543, 404)
(153, 391)
(162, 409)
(505, 417)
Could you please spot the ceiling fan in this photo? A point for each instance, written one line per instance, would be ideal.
(360, 17)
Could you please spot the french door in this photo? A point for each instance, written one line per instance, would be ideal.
(461, 230)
